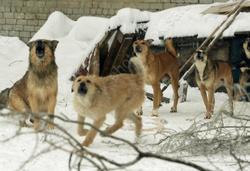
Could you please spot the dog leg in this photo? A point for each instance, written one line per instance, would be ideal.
(51, 111)
(34, 109)
(213, 104)
(16, 103)
(156, 103)
(204, 96)
(80, 130)
(120, 114)
(92, 133)
(138, 123)
(229, 87)
(175, 86)
(139, 112)
(210, 103)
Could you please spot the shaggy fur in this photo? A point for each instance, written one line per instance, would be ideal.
(95, 97)
(36, 91)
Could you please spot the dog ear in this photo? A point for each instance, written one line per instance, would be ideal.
(243, 69)
(149, 41)
(72, 90)
(54, 44)
(30, 44)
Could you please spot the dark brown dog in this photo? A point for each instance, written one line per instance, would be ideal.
(37, 91)
(209, 76)
(156, 67)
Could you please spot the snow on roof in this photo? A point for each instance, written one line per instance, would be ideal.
(57, 25)
(189, 21)
(174, 22)
(128, 18)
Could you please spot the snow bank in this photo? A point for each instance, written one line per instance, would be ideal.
(14, 59)
(86, 28)
(57, 26)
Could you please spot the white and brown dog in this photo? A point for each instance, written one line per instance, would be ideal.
(209, 76)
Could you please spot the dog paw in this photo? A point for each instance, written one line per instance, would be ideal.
(139, 112)
(37, 127)
(173, 110)
(82, 132)
(106, 132)
(208, 115)
(50, 126)
(86, 143)
(155, 113)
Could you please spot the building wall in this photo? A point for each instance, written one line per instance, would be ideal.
(22, 18)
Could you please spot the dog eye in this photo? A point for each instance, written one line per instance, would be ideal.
(88, 81)
(78, 80)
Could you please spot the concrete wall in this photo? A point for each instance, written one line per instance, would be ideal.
(23, 18)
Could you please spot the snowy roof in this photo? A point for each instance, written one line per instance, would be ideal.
(189, 21)
(174, 22)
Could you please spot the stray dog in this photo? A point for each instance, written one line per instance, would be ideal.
(36, 91)
(95, 97)
(209, 75)
(156, 67)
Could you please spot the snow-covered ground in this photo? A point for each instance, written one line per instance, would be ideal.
(76, 39)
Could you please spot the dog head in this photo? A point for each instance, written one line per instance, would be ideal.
(42, 52)
(247, 42)
(142, 46)
(200, 56)
(246, 46)
(245, 70)
(85, 85)
(245, 74)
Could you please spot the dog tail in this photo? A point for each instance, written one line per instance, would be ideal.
(4, 97)
(169, 45)
(136, 66)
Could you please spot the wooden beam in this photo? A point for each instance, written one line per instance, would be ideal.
(108, 62)
(225, 8)
(123, 50)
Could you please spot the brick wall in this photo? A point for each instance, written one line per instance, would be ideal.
(23, 18)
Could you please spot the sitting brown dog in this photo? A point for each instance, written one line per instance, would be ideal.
(156, 67)
(36, 92)
(95, 97)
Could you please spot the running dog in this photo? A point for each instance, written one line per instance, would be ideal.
(95, 97)
(209, 76)
(156, 67)
(36, 91)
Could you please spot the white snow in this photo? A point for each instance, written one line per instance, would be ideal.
(58, 25)
(189, 21)
(127, 19)
(76, 40)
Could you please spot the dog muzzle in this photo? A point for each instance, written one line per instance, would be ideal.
(82, 90)
(138, 49)
(40, 49)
